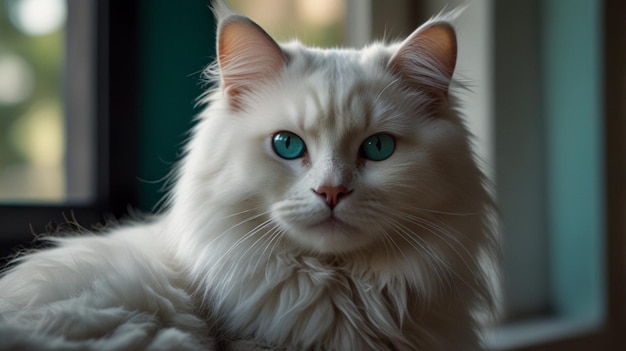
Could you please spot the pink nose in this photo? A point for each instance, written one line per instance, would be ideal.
(332, 194)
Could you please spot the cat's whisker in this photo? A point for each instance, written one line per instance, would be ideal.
(238, 224)
(413, 238)
(243, 212)
(445, 235)
(233, 247)
(454, 249)
(422, 209)
(393, 242)
(417, 238)
(278, 237)
(387, 238)
(435, 229)
(274, 235)
(473, 201)
(253, 233)
(243, 239)
(436, 263)
(407, 212)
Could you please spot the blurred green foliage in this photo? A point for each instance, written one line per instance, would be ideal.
(44, 54)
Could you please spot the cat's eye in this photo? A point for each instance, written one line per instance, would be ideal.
(378, 147)
(288, 145)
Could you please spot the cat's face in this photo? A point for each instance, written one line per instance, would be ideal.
(348, 153)
(335, 150)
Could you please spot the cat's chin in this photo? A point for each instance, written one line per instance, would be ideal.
(330, 236)
(332, 226)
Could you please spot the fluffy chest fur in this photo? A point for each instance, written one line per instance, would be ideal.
(365, 303)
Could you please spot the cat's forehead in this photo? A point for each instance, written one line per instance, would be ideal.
(339, 61)
(338, 90)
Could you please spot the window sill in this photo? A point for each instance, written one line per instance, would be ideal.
(536, 333)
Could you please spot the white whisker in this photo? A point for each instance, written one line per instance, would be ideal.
(418, 242)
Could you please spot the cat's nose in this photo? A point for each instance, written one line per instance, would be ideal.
(332, 194)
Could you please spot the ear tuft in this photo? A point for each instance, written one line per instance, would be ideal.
(427, 58)
(247, 57)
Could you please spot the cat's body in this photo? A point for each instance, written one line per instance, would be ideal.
(369, 235)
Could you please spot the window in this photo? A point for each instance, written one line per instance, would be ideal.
(33, 133)
(75, 115)
(549, 143)
(318, 23)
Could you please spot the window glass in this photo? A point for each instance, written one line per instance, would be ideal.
(47, 101)
(314, 22)
(32, 133)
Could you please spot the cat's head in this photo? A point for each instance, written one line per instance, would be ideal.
(331, 151)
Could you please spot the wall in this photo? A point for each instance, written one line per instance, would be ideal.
(176, 41)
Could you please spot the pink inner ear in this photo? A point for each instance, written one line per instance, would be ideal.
(247, 57)
(428, 57)
(441, 41)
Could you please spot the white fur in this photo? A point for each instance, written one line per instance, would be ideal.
(247, 250)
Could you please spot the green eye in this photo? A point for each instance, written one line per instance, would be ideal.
(378, 147)
(288, 145)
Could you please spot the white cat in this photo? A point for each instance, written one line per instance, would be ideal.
(328, 200)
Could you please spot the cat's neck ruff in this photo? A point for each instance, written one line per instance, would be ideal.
(369, 299)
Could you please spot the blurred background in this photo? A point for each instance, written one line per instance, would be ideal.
(32, 139)
(97, 97)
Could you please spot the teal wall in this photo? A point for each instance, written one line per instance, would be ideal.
(549, 156)
(572, 56)
(176, 41)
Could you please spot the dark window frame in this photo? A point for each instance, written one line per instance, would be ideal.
(115, 31)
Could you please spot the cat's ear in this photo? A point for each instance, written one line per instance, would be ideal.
(427, 58)
(247, 56)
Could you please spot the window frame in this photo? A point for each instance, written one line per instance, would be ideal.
(559, 325)
(614, 75)
(114, 31)
(606, 333)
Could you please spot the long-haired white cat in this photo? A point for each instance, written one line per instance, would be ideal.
(328, 200)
